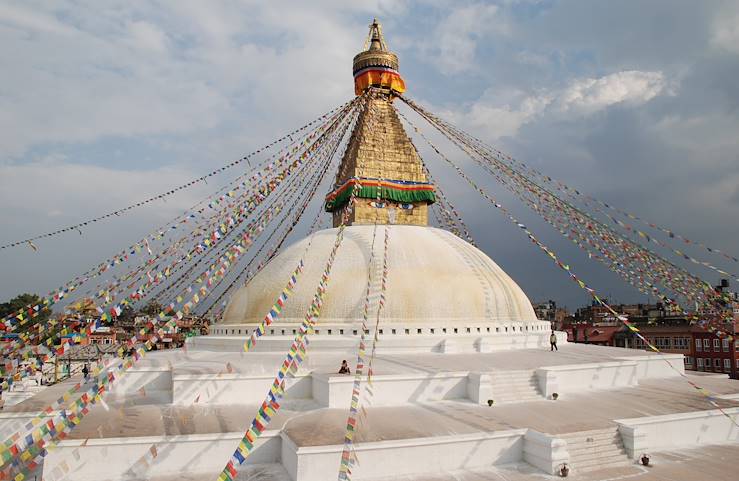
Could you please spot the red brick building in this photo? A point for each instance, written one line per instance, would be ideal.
(715, 354)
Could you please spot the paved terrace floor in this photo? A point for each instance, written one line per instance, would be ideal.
(714, 463)
(308, 425)
(257, 363)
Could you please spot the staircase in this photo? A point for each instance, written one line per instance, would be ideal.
(593, 450)
(514, 386)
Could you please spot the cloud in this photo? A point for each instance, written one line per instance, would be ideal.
(454, 43)
(101, 105)
(580, 98)
(631, 87)
(725, 33)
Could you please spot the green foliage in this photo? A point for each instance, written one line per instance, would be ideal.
(127, 314)
(22, 301)
(152, 308)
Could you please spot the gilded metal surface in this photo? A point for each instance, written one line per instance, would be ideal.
(375, 58)
(376, 53)
(380, 149)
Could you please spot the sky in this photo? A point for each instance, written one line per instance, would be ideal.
(104, 103)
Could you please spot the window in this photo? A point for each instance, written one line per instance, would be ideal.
(681, 343)
(700, 363)
(727, 364)
(497, 329)
(725, 345)
(283, 332)
(393, 331)
(716, 363)
(328, 332)
(432, 330)
(380, 331)
(354, 331)
(707, 363)
(341, 331)
(737, 363)
(456, 330)
(488, 329)
(698, 346)
(418, 331)
(468, 329)
(407, 331)
(716, 345)
(706, 345)
(688, 361)
(478, 329)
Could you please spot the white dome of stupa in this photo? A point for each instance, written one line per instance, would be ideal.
(434, 277)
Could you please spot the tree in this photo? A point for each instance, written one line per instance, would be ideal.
(152, 308)
(127, 315)
(22, 302)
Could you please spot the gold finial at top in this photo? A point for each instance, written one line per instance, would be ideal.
(375, 53)
(375, 40)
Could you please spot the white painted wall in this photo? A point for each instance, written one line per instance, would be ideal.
(156, 382)
(233, 388)
(658, 366)
(12, 422)
(545, 451)
(410, 456)
(391, 390)
(120, 458)
(585, 377)
(661, 433)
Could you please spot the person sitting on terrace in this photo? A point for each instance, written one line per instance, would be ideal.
(344, 368)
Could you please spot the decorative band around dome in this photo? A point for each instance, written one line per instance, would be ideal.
(394, 190)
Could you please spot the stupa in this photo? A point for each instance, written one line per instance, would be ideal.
(464, 385)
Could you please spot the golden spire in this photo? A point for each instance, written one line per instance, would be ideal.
(380, 156)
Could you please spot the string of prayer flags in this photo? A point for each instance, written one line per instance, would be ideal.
(176, 189)
(565, 267)
(293, 359)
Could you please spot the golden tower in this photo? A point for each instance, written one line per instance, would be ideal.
(380, 156)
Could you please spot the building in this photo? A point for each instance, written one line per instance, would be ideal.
(711, 353)
(548, 311)
(463, 381)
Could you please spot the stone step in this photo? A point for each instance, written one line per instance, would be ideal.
(508, 375)
(517, 399)
(593, 440)
(532, 382)
(502, 391)
(600, 462)
(517, 396)
(594, 435)
(521, 382)
(514, 386)
(595, 451)
(505, 384)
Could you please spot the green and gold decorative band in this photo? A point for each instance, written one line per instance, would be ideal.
(393, 190)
